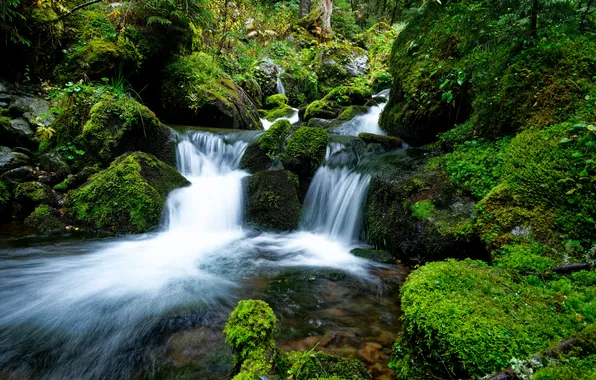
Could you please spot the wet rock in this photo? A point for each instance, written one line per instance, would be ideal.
(53, 162)
(75, 180)
(272, 200)
(5, 149)
(12, 160)
(316, 122)
(34, 110)
(18, 175)
(17, 132)
(29, 195)
(379, 256)
(25, 151)
(387, 142)
(45, 218)
(255, 159)
(266, 75)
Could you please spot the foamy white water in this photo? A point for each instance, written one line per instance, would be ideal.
(368, 122)
(293, 118)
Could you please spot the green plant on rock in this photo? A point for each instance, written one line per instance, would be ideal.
(308, 144)
(272, 139)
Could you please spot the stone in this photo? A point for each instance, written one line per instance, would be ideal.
(12, 160)
(35, 110)
(19, 175)
(53, 162)
(17, 132)
(387, 142)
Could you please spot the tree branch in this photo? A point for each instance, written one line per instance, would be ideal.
(75, 9)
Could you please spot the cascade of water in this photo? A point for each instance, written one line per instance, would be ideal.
(368, 122)
(333, 203)
(280, 85)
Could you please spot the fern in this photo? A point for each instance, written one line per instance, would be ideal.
(158, 20)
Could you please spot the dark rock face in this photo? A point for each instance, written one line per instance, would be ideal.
(419, 218)
(272, 201)
(29, 195)
(12, 160)
(17, 132)
(52, 162)
(34, 110)
(18, 175)
(266, 74)
(255, 159)
(387, 142)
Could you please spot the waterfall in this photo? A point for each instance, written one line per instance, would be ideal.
(280, 85)
(333, 203)
(368, 122)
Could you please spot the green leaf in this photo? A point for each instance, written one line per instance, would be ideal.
(564, 140)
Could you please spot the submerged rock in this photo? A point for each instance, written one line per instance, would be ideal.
(128, 196)
(379, 256)
(272, 200)
(387, 142)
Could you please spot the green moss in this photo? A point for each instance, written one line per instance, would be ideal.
(351, 112)
(423, 209)
(249, 332)
(349, 95)
(272, 200)
(466, 320)
(322, 109)
(318, 365)
(128, 196)
(45, 218)
(278, 112)
(308, 143)
(101, 57)
(272, 139)
(275, 101)
(552, 169)
(524, 257)
(5, 195)
(33, 193)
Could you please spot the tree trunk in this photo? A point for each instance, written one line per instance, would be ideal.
(325, 9)
(304, 8)
(533, 30)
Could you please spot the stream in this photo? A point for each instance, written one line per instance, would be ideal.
(154, 305)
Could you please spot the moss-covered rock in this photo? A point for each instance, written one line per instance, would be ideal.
(462, 319)
(338, 64)
(319, 365)
(128, 196)
(350, 95)
(379, 256)
(5, 202)
(301, 85)
(98, 125)
(272, 201)
(275, 101)
(322, 109)
(11, 160)
(197, 92)
(76, 180)
(305, 151)
(420, 217)
(387, 142)
(351, 112)
(249, 332)
(45, 218)
(259, 155)
(276, 113)
(28, 195)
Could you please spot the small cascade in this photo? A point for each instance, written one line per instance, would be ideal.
(292, 119)
(280, 86)
(334, 202)
(368, 122)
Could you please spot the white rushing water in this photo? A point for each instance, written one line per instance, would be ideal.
(280, 86)
(368, 122)
(293, 118)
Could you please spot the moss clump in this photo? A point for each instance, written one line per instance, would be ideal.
(322, 109)
(31, 194)
(387, 142)
(351, 112)
(45, 218)
(301, 84)
(128, 196)
(318, 365)
(273, 200)
(249, 332)
(463, 319)
(275, 101)
(276, 113)
(349, 95)
(197, 92)
(527, 256)
(305, 151)
(259, 154)
(553, 169)
(5, 195)
(76, 180)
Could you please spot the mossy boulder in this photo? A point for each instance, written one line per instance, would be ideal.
(463, 319)
(11, 160)
(319, 365)
(5, 202)
(275, 101)
(351, 112)
(197, 92)
(29, 195)
(387, 142)
(249, 332)
(322, 109)
(96, 126)
(73, 181)
(259, 154)
(45, 218)
(305, 151)
(338, 64)
(272, 200)
(128, 196)
(301, 85)
(350, 95)
(276, 113)
(379, 256)
(419, 217)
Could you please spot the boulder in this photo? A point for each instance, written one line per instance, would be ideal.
(52, 162)
(379, 256)
(272, 200)
(45, 218)
(305, 151)
(128, 196)
(75, 180)
(17, 132)
(12, 160)
(197, 92)
(387, 142)
(266, 75)
(18, 175)
(259, 154)
(35, 110)
(29, 195)
(350, 95)
(322, 109)
(5, 202)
